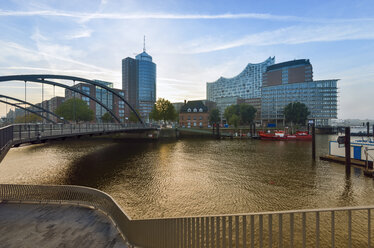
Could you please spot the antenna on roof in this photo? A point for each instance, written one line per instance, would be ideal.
(144, 44)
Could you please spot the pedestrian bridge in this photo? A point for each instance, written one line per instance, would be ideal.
(17, 134)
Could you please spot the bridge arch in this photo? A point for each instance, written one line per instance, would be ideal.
(28, 110)
(31, 77)
(33, 105)
(69, 88)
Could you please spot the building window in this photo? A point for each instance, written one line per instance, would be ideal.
(200, 110)
(188, 117)
(201, 117)
(195, 110)
(188, 110)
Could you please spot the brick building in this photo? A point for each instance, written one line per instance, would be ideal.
(194, 114)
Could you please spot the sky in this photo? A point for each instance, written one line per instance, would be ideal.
(192, 42)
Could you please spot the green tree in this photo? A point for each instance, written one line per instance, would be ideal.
(247, 113)
(80, 107)
(30, 118)
(244, 113)
(296, 112)
(234, 120)
(107, 118)
(133, 117)
(163, 110)
(214, 116)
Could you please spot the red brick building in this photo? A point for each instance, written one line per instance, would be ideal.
(194, 114)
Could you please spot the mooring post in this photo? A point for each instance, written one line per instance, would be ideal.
(347, 145)
(313, 142)
(218, 134)
(368, 129)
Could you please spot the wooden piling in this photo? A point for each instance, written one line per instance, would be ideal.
(347, 145)
(313, 142)
(368, 129)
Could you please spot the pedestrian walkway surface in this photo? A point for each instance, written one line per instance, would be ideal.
(35, 225)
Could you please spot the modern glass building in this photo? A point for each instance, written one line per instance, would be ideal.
(114, 104)
(319, 96)
(245, 85)
(139, 83)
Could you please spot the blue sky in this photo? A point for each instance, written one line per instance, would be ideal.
(192, 42)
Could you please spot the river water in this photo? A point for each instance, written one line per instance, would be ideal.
(193, 177)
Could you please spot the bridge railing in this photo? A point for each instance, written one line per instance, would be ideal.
(6, 137)
(32, 131)
(332, 227)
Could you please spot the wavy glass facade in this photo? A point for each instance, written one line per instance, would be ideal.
(319, 96)
(245, 85)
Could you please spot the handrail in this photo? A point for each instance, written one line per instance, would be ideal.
(300, 228)
(67, 194)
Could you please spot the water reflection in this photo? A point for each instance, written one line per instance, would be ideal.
(193, 177)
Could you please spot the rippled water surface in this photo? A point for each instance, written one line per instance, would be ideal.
(193, 177)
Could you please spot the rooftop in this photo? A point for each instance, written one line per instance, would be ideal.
(289, 63)
(194, 104)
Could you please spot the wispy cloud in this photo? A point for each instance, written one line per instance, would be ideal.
(79, 34)
(122, 16)
(52, 53)
(289, 35)
(45, 69)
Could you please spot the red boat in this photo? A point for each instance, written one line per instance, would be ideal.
(280, 135)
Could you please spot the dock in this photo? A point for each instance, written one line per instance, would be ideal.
(341, 160)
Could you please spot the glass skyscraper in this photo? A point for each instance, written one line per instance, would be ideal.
(139, 83)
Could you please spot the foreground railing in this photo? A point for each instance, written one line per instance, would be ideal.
(6, 137)
(333, 227)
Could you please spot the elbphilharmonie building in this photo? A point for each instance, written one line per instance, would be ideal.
(245, 85)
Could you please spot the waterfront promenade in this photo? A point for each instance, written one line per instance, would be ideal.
(35, 225)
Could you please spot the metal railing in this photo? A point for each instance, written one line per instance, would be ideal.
(333, 227)
(32, 131)
(6, 137)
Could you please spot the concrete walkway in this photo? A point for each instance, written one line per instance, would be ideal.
(33, 225)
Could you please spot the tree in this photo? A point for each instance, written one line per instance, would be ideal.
(214, 116)
(296, 112)
(163, 110)
(247, 113)
(133, 117)
(243, 114)
(80, 107)
(30, 118)
(107, 117)
(234, 120)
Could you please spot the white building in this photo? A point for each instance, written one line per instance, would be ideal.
(245, 85)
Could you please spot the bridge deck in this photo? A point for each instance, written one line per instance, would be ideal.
(32, 225)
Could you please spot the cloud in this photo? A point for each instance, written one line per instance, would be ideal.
(79, 34)
(52, 51)
(67, 72)
(290, 35)
(174, 16)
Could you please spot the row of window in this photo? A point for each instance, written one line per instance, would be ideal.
(194, 117)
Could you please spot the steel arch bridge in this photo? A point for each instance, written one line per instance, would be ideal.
(47, 79)
(29, 110)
